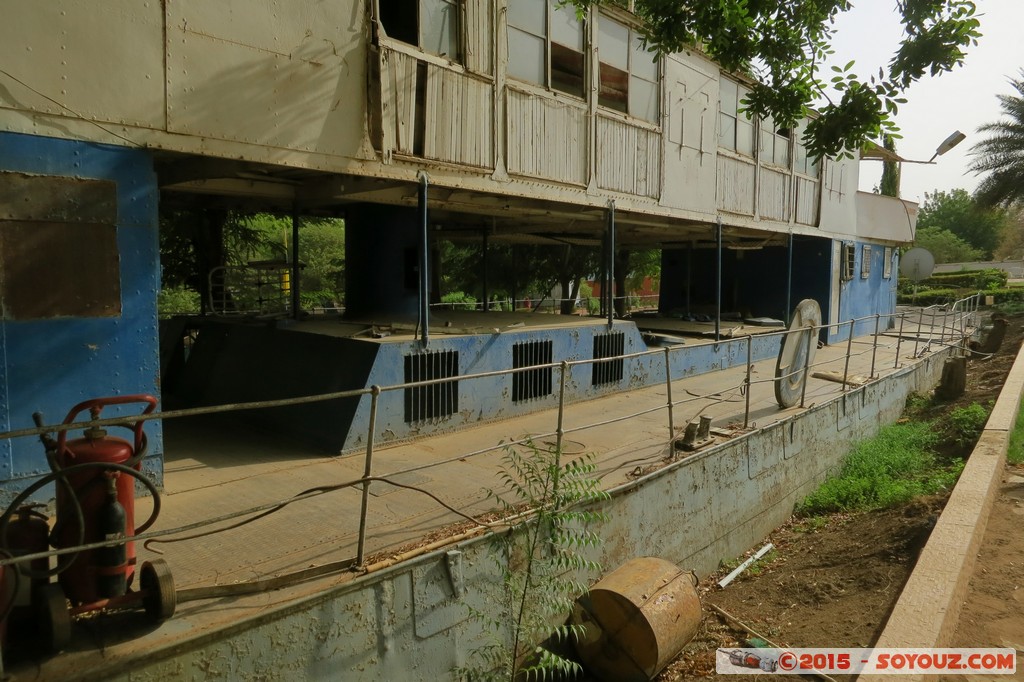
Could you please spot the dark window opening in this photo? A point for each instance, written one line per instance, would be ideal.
(435, 401)
(534, 383)
(399, 19)
(567, 70)
(614, 92)
(608, 346)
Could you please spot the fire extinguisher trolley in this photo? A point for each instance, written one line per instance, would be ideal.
(95, 478)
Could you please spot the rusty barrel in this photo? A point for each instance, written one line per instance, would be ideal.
(637, 619)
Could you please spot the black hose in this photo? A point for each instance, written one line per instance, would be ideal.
(62, 475)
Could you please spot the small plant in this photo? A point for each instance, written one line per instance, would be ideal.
(916, 404)
(459, 300)
(811, 524)
(541, 562)
(177, 301)
(966, 423)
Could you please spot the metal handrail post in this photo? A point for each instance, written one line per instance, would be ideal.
(668, 389)
(899, 341)
(920, 321)
(367, 470)
(750, 364)
(849, 347)
(942, 334)
(807, 364)
(559, 431)
(874, 345)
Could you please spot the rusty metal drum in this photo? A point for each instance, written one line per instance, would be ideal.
(637, 619)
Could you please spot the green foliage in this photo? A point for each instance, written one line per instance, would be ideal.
(946, 246)
(542, 564)
(928, 297)
(1001, 155)
(177, 300)
(459, 300)
(965, 424)
(1015, 453)
(785, 43)
(957, 212)
(989, 278)
(916, 404)
(891, 468)
(890, 183)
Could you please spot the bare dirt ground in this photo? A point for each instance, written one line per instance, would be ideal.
(993, 613)
(832, 582)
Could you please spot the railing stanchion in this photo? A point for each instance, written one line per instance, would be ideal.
(750, 364)
(920, 321)
(899, 341)
(942, 334)
(560, 432)
(367, 470)
(849, 347)
(668, 390)
(807, 363)
(874, 343)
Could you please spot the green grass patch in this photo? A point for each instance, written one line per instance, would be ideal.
(1015, 454)
(895, 466)
(965, 424)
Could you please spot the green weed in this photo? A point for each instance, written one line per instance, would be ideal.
(893, 467)
(965, 424)
(542, 564)
(1015, 454)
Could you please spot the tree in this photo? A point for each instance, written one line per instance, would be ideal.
(890, 182)
(958, 213)
(1011, 246)
(1002, 154)
(784, 44)
(946, 246)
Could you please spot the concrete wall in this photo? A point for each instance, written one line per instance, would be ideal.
(411, 621)
(53, 360)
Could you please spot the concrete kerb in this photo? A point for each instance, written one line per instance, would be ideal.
(928, 609)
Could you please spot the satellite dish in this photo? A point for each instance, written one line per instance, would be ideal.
(917, 264)
(796, 353)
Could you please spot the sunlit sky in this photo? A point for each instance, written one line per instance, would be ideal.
(961, 100)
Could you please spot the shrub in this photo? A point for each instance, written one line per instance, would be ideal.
(965, 424)
(177, 301)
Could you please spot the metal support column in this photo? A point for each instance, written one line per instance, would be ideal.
(789, 280)
(610, 267)
(718, 281)
(294, 283)
(483, 260)
(424, 260)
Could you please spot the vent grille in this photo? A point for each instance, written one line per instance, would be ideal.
(608, 346)
(437, 400)
(533, 383)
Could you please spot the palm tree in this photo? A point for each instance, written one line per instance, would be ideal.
(1001, 156)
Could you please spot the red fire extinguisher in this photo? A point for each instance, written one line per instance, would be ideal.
(97, 504)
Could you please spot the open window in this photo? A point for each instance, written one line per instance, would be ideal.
(735, 128)
(546, 45)
(865, 261)
(628, 72)
(432, 25)
(849, 256)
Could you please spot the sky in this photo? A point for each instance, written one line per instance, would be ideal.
(961, 100)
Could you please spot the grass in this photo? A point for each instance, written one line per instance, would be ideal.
(895, 466)
(1015, 455)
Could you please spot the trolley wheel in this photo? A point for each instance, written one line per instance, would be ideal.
(157, 585)
(52, 617)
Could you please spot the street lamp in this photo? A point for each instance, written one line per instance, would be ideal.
(947, 144)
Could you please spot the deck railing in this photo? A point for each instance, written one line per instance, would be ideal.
(958, 320)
